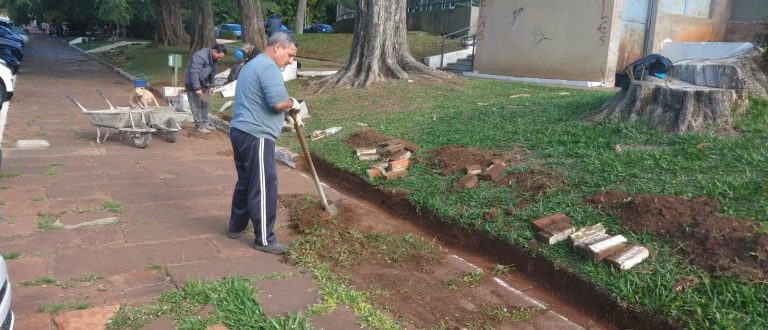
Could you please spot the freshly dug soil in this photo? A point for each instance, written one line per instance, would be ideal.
(535, 181)
(718, 243)
(412, 279)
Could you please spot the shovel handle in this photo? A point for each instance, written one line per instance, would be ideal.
(304, 148)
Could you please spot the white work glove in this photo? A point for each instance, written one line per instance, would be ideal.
(295, 110)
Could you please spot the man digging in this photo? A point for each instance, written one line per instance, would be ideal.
(260, 107)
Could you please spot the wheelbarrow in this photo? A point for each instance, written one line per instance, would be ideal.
(167, 120)
(130, 122)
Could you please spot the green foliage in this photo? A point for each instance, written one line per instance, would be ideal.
(45, 280)
(11, 255)
(55, 307)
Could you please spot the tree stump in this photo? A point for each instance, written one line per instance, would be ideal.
(675, 106)
(740, 72)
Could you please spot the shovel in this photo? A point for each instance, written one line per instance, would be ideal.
(327, 207)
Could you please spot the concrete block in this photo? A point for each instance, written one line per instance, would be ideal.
(466, 182)
(492, 173)
(391, 175)
(628, 257)
(360, 151)
(369, 156)
(474, 169)
(32, 144)
(586, 233)
(600, 250)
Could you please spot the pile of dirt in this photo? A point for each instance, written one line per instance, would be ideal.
(369, 138)
(718, 243)
(451, 159)
(408, 277)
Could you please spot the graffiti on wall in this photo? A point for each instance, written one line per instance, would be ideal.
(481, 21)
(602, 28)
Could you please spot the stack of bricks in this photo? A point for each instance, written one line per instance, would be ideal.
(475, 173)
(397, 159)
(591, 242)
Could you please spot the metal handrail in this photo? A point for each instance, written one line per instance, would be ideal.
(437, 6)
(443, 38)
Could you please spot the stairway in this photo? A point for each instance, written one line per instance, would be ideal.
(461, 66)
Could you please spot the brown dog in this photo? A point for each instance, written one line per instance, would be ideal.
(141, 98)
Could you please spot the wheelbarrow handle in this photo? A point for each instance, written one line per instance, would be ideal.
(105, 99)
(82, 108)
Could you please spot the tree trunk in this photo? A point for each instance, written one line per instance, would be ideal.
(739, 72)
(251, 23)
(202, 25)
(169, 29)
(301, 16)
(675, 106)
(379, 49)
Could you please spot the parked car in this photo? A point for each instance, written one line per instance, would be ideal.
(7, 82)
(17, 52)
(6, 315)
(229, 31)
(319, 28)
(24, 39)
(6, 55)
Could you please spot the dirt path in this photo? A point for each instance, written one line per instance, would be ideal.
(138, 222)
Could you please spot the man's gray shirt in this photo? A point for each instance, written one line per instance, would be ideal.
(259, 89)
(201, 70)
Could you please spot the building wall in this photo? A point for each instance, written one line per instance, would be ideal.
(554, 39)
(748, 17)
(706, 22)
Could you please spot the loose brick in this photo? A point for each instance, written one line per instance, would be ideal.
(391, 175)
(403, 154)
(373, 156)
(492, 173)
(581, 247)
(474, 169)
(586, 233)
(361, 151)
(542, 223)
(399, 165)
(600, 250)
(628, 257)
(555, 236)
(373, 172)
(466, 182)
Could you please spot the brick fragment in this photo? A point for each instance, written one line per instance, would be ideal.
(391, 175)
(628, 257)
(498, 161)
(586, 233)
(492, 173)
(399, 165)
(543, 223)
(474, 169)
(393, 149)
(466, 182)
(373, 172)
(600, 250)
(403, 154)
(556, 235)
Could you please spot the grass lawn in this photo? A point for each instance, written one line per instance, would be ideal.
(550, 124)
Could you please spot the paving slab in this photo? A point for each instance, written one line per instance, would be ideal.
(164, 230)
(157, 212)
(288, 295)
(254, 265)
(41, 321)
(342, 317)
(179, 251)
(12, 226)
(26, 300)
(66, 240)
(27, 268)
(77, 218)
(104, 262)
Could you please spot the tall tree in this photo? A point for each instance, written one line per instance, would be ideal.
(118, 12)
(169, 29)
(301, 16)
(379, 49)
(252, 23)
(202, 25)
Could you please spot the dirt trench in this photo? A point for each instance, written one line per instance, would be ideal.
(557, 288)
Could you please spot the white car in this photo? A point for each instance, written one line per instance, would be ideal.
(7, 81)
(6, 315)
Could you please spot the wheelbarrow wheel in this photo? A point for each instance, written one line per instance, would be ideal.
(170, 134)
(141, 140)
